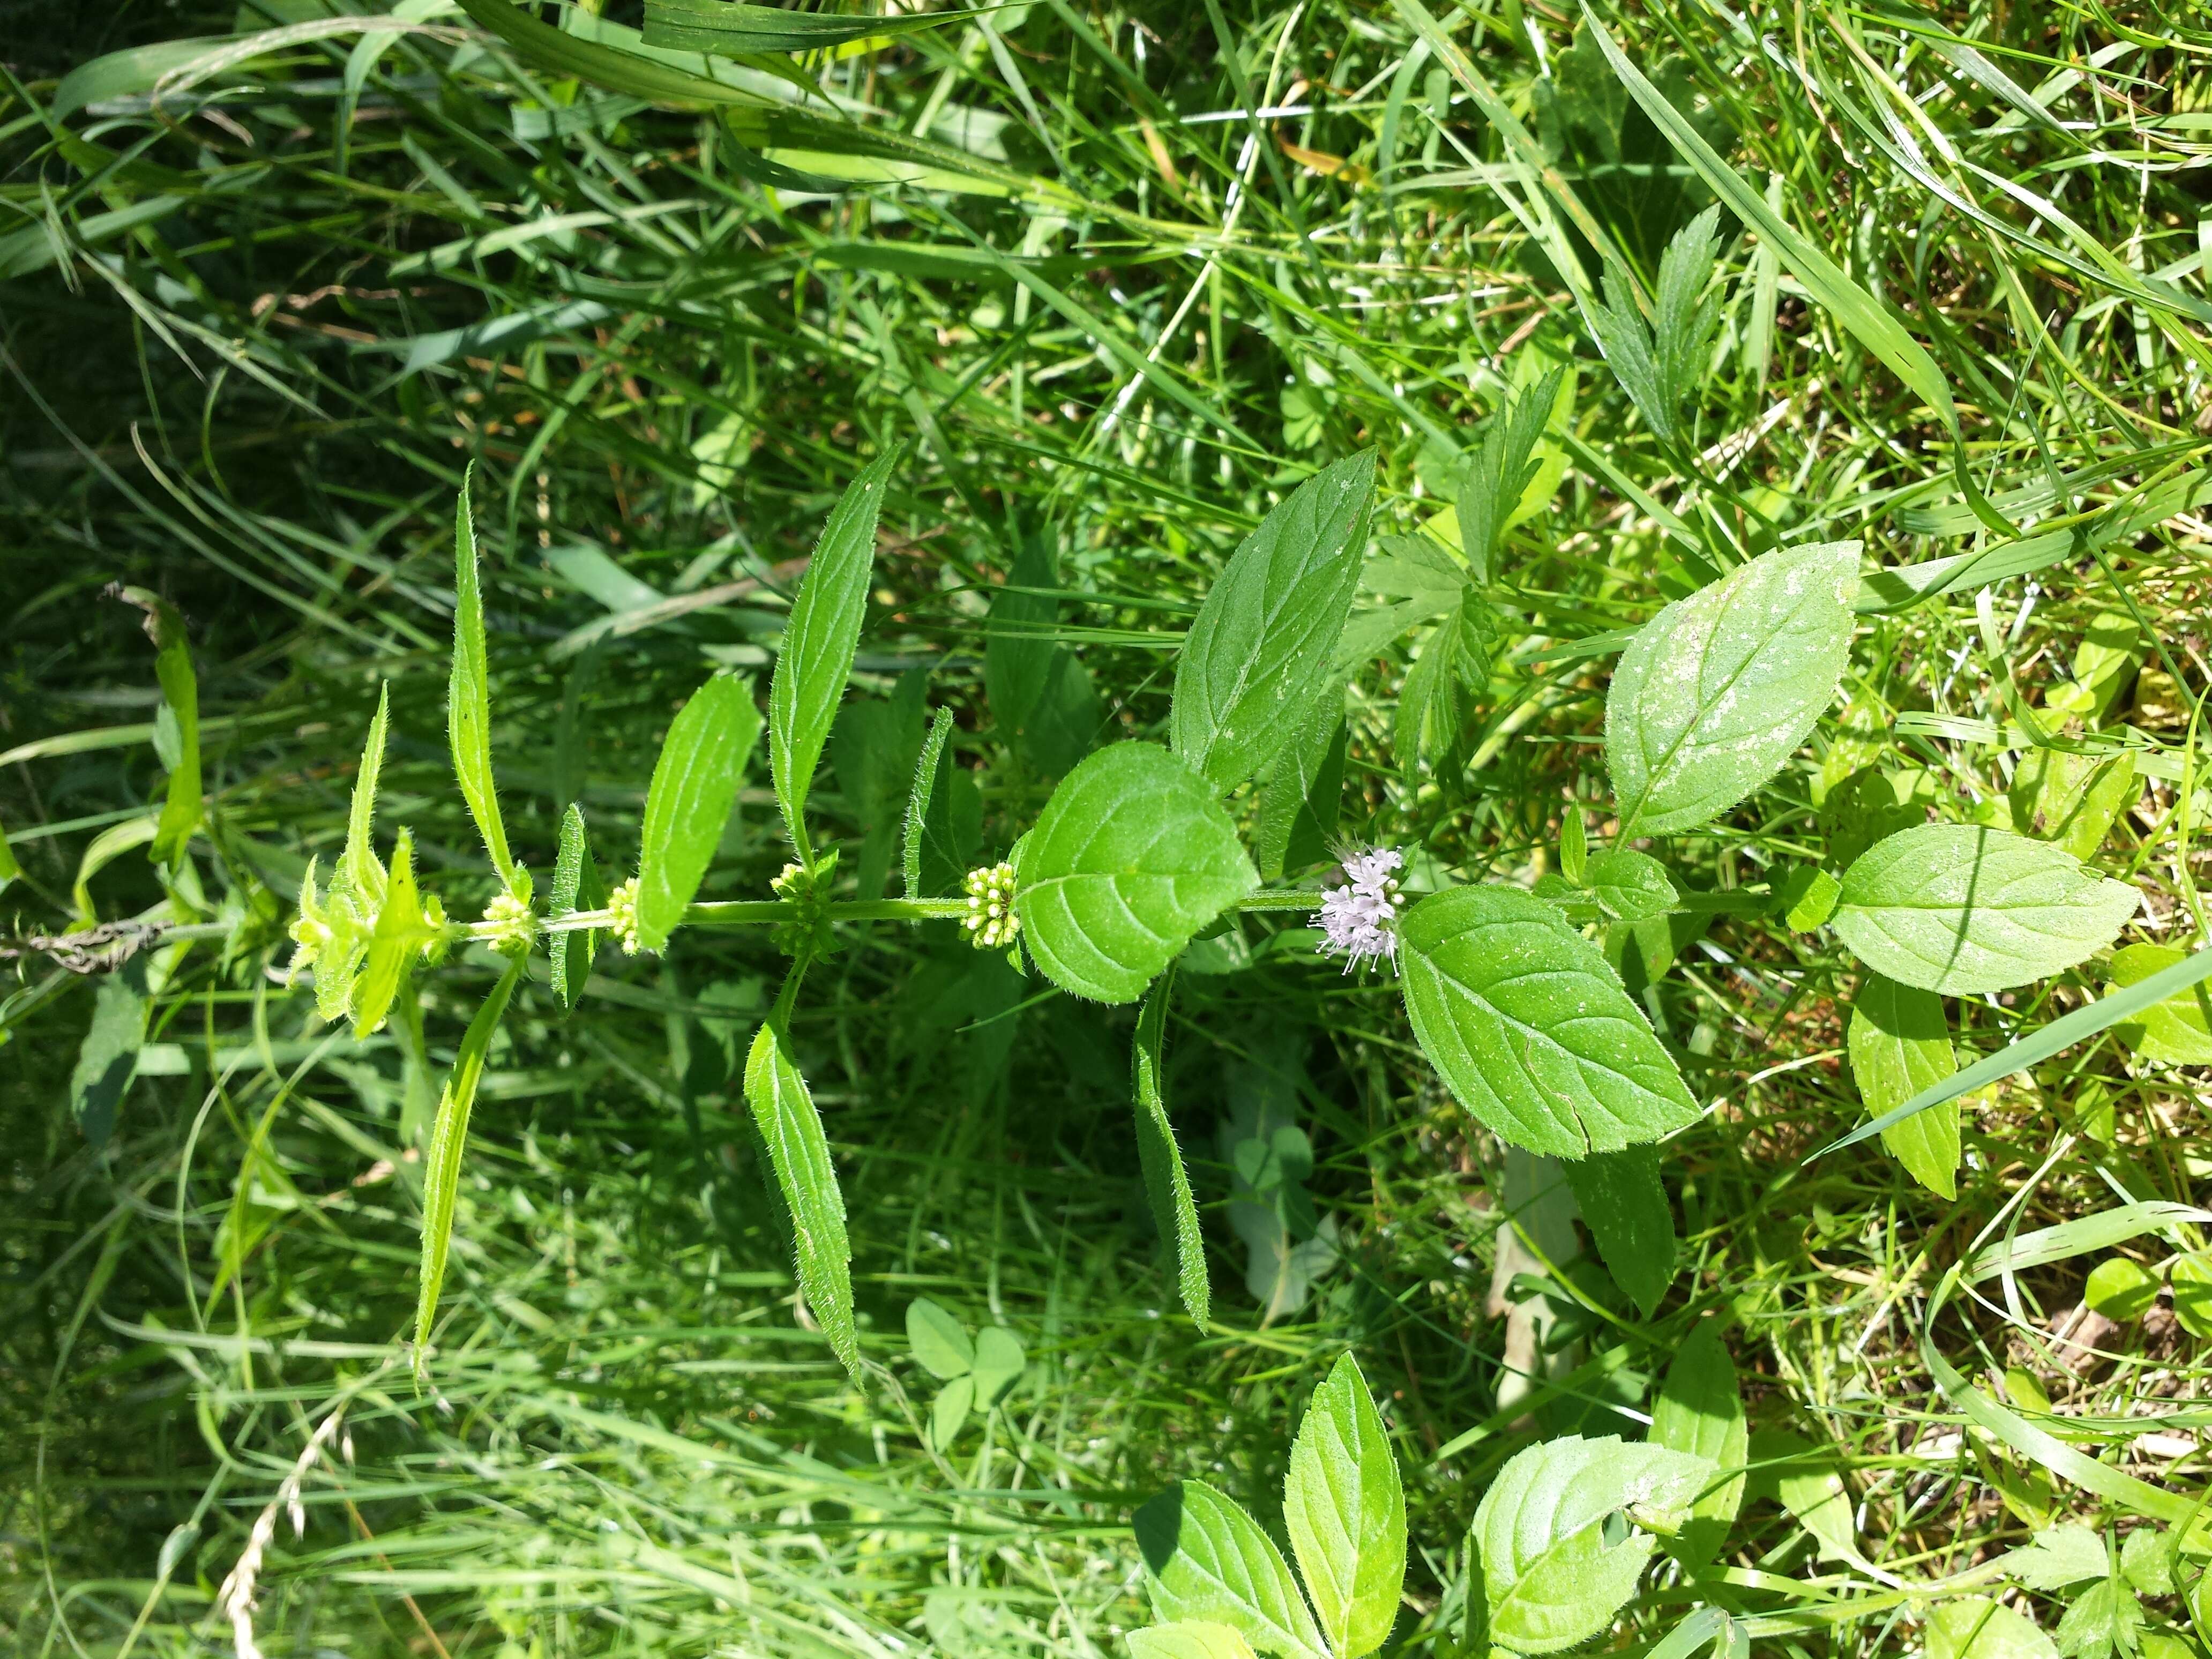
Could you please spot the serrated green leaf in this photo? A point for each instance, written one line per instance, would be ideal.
(1717, 690)
(1625, 1209)
(449, 1137)
(1900, 1044)
(999, 1365)
(402, 929)
(1631, 886)
(819, 639)
(2178, 1030)
(938, 1341)
(1261, 647)
(1131, 857)
(1700, 1412)
(1958, 907)
(1205, 1559)
(576, 886)
(1660, 364)
(1975, 1627)
(1345, 1513)
(1502, 471)
(807, 1178)
(2105, 1619)
(1167, 1180)
(1191, 1638)
(687, 805)
(1530, 1030)
(2146, 1560)
(358, 866)
(932, 770)
(1549, 1577)
(468, 707)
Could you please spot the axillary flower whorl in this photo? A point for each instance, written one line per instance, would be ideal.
(1360, 918)
(991, 922)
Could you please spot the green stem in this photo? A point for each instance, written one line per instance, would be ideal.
(767, 913)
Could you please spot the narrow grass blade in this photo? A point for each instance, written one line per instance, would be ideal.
(1866, 317)
(1167, 1181)
(733, 29)
(800, 1153)
(2041, 1044)
(441, 1172)
(468, 710)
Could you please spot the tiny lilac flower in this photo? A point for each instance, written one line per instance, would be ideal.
(1360, 919)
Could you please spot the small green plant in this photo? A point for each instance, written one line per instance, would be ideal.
(978, 1373)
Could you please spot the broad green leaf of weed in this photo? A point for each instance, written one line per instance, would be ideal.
(449, 1137)
(1189, 1638)
(1264, 640)
(1206, 1559)
(1976, 1627)
(819, 639)
(1551, 1579)
(577, 885)
(1717, 690)
(468, 707)
(1631, 886)
(937, 1341)
(1959, 908)
(1900, 1044)
(1345, 1513)
(1626, 1208)
(1530, 1030)
(2105, 1620)
(1700, 1412)
(1167, 1179)
(2072, 800)
(2120, 1289)
(1806, 1481)
(687, 805)
(1131, 857)
(807, 1178)
(107, 1059)
(2191, 1281)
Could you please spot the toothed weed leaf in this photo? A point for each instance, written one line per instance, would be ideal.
(1345, 1513)
(784, 1110)
(694, 783)
(468, 707)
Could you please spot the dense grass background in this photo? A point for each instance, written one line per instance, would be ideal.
(251, 331)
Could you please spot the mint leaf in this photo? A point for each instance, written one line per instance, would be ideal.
(1530, 1030)
(1717, 690)
(1131, 857)
(1900, 1044)
(808, 1180)
(576, 886)
(1167, 1180)
(819, 639)
(1958, 907)
(1700, 1412)
(1551, 1579)
(468, 706)
(1631, 886)
(1193, 1638)
(1625, 1209)
(1261, 647)
(1205, 1559)
(1345, 1513)
(687, 805)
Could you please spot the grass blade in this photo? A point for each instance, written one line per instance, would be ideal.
(2040, 1045)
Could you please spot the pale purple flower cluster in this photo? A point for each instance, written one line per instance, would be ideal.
(1360, 918)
